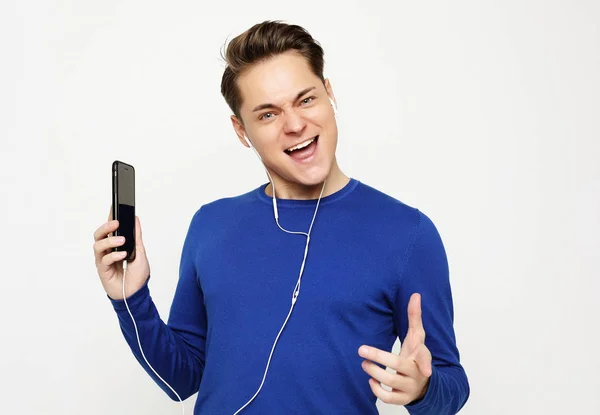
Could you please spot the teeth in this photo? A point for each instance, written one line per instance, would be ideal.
(301, 145)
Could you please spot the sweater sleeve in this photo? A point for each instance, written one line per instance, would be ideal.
(425, 271)
(176, 350)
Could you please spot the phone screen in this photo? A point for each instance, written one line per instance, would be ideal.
(124, 205)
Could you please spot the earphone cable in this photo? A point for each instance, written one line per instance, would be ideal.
(296, 292)
(140, 344)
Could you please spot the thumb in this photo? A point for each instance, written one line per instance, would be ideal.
(422, 357)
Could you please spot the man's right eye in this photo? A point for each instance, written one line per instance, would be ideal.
(264, 116)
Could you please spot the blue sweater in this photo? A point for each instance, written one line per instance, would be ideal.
(368, 253)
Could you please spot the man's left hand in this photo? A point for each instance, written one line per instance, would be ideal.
(412, 366)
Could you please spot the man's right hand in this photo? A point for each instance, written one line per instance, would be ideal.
(110, 264)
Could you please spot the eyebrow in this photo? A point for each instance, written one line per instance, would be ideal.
(269, 105)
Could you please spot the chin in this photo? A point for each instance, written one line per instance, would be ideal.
(311, 173)
(314, 177)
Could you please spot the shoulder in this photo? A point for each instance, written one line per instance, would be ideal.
(386, 206)
(224, 208)
(396, 212)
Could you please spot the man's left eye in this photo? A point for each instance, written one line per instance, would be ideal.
(307, 100)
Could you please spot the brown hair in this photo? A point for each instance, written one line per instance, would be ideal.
(259, 43)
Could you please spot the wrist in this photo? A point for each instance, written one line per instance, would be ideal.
(423, 391)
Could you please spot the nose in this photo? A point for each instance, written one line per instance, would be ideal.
(293, 122)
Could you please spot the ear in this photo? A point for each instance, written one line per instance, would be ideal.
(329, 90)
(240, 131)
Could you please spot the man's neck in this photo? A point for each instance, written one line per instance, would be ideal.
(336, 180)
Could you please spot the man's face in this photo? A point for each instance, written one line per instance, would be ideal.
(285, 106)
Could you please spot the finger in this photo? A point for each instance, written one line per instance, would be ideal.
(422, 356)
(109, 259)
(415, 318)
(382, 375)
(380, 356)
(103, 245)
(103, 231)
(395, 397)
(110, 216)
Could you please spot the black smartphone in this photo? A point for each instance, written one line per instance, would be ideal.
(123, 205)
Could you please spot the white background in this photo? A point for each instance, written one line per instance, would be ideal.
(483, 114)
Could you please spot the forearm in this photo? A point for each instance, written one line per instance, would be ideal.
(163, 347)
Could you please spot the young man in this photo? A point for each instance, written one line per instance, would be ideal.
(375, 269)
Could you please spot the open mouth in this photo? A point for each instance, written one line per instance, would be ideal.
(303, 149)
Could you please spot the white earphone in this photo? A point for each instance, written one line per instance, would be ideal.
(334, 106)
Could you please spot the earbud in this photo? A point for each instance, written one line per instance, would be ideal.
(248, 141)
(334, 106)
